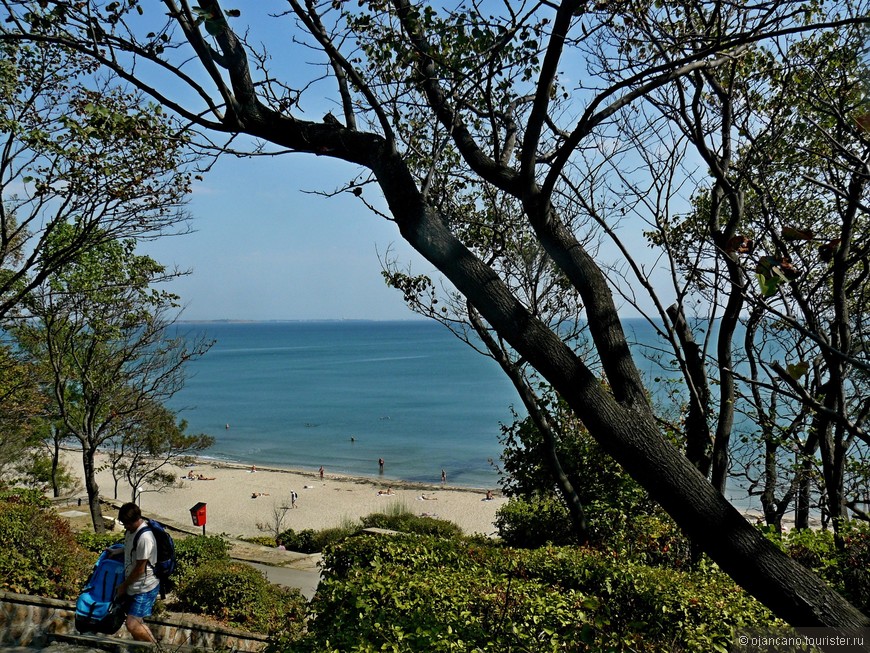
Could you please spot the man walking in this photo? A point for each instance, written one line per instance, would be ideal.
(140, 584)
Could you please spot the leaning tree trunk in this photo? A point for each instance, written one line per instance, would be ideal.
(628, 433)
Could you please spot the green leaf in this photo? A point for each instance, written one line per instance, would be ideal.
(797, 370)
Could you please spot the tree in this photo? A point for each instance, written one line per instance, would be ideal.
(103, 332)
(24, 407)
(140, 456)
(78, 150)
(484, 98)
(778, 235)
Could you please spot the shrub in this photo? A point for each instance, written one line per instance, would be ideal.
(239, 595)
(530, 523)
(407, 522)
(195, 551)
(847, 568)
(854, 564)
(447, 595)
(97, 542)
(262, 540)
(303, 541)
(433, 594)
(39, 553)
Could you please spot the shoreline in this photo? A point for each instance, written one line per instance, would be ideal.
(218, 463)
(238, 499)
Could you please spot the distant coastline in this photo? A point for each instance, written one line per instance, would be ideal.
(300, 321)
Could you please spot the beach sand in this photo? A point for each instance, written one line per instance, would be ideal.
(231, 510)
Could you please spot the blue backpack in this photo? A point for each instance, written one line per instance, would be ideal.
(166, 560)
(97, 611)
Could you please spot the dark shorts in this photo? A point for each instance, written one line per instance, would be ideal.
(141, 605)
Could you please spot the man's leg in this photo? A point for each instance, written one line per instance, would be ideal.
(138, 629)
(140, 606)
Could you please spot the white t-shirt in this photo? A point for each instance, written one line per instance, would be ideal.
(146, 549)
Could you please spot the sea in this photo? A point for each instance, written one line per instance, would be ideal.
(344, 394)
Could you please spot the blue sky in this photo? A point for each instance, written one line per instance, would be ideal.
(263, 249)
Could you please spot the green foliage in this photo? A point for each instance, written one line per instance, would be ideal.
(239, 595)
(97, 542)
(24, 405)
(262, 540)
(302, 541)
(36, 471)
(311, 541)
(195, 551)
(39, 553)
(405, 521)
(25, 496)
(534, 522)
(397, 519)
(413, 593)
(845, 566)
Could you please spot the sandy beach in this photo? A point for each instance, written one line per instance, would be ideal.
(238, 499)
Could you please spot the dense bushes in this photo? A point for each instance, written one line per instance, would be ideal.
(846, 568)
(240, 595)
(532, 522)
(422, 593)
(39, 554)
(309, 540)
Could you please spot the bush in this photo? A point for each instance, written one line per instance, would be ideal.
(854, 565)
(194, 552)
(405, 521)
(39, 553)
(846, 568)
(303, 541)
(239, 595)
(262, 540)
(446, 595)
(97, 542)
(530, 523)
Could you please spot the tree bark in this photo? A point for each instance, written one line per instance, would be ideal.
(93, 490)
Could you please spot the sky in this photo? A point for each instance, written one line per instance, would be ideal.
(265, 249)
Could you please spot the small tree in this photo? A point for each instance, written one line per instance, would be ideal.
(145, 450)
(277, 517)
(103, 331)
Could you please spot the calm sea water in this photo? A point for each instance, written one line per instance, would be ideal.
(294, 394)
(344, 394)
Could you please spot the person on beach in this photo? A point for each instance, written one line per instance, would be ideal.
(443, 477)
(489, 496)
(293, 497)
(140, 585)
(321, 472)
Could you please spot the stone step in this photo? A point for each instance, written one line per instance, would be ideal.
(78, 643)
